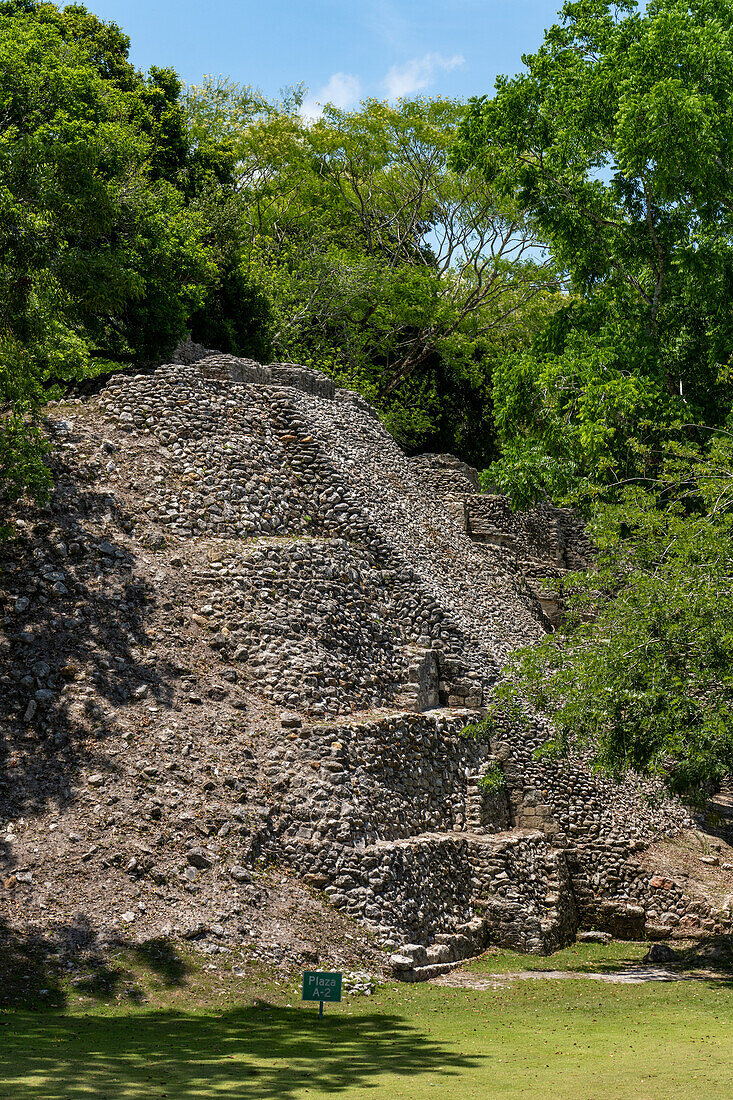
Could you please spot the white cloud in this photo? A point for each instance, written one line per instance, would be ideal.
(342, 90)
(413, 76)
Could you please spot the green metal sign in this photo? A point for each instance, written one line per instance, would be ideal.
(321, 986)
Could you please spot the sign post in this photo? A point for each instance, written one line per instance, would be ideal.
(321, 986)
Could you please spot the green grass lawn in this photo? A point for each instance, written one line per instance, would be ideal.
(580, 958)
(568, 1039)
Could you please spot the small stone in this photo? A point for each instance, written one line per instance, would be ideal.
(197, 857)
(240, 874)
(660, 954)
(128, 917)
(22, 604)
(711, 861)
(288, 720)
(96, 780)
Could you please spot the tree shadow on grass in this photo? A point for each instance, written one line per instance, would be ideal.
(713, 956)
(35, 967)
(258, 1053)
(30, 971)
(160, 956)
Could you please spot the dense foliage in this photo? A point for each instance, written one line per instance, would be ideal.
(641, 671)
(101, 256)
(618, 140)
(383, 266)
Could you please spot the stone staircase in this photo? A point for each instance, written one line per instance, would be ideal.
(487, 811)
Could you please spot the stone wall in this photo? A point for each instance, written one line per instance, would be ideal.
(541, 543)
(230, 368)
(386, 779)
(388, 818)
(513, 887)
(377, 814)
(242, 463)
(541, 537)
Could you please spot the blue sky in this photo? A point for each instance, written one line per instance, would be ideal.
(343, 50)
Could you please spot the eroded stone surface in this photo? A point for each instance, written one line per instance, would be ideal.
(249, 629)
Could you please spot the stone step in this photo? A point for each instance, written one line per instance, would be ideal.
(425, 973)
(722, 804)
(496, 840)
(415, 963)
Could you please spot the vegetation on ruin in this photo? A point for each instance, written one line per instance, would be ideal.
(493, 781)
(641, 670)
(478, 731)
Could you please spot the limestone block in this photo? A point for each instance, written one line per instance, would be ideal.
(439, 953)
(400, 962)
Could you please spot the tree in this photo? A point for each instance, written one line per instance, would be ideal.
(98, 259)
(616, 141)
(641, 672)
(385, 268)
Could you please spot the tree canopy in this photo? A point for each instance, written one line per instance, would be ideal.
(383, 266)
(640, 673)
(617, 142)
(101, 256)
